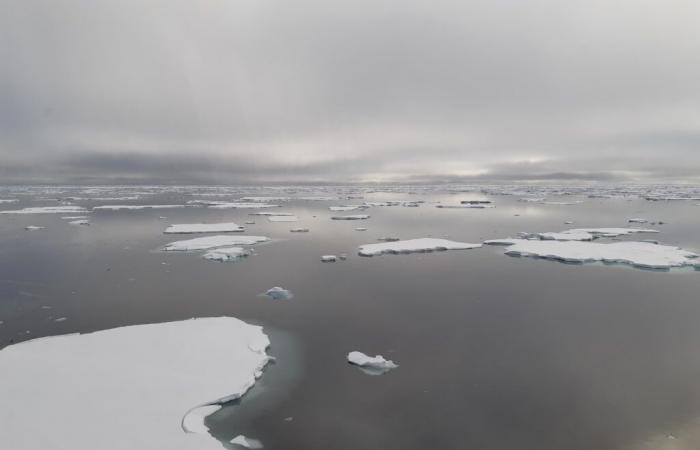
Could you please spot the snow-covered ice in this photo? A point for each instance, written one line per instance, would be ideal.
(372, 365)
(227, 254)
(329, 258)
(47, 210)
(129, 387)
(134, 207)
(413, 246)
(79, 222)
(637, 254)
(242, 205)
(33, 228)
(346, 208)
(351, 217)
(467, 206)
(208, 242)
(8, 200)
(278, 293)
(185, 228)
(283, 218)
(637, 220)
(247, 442)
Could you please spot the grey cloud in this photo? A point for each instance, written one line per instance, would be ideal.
(307, 91)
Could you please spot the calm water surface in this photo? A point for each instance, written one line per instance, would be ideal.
(495, 353)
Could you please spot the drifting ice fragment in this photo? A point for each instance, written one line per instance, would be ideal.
(413, 246)
(278, 293)
(376, 365)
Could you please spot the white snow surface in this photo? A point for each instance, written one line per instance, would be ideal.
(637, 254)
(208, 242)
(413, 246)
(126, 388)
(47, 210)
(247, 442)
(185, 228)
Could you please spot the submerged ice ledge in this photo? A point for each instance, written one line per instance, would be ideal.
(129, 387)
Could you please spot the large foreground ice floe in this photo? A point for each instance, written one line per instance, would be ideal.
(637, 254)
(414, 246)
(47, 210)
(186, 228)
(127, 388)
(205, 243)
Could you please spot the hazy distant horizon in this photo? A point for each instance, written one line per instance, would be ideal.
(241, 92)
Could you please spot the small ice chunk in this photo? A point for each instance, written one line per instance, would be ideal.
(74, 217)
(351, 217)
(376, 365)
(187, 228)
(243, 205)
(346, 208)
(246, 442)
(80, 222)
(227, 254)
(33, 228)
(134, 207)
(413, 246)
(278, 293)
(466, 206)
(60, 319)
(361, 229)
(299, 230)
(637, 220)
(329, 258)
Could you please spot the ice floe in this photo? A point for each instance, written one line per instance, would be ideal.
(637, 254)
(351, 217)
(414, 246)
(205, 243)
(227, 254)
(47, 210)
(467, 206)
(33, 228)
(637, 220)
(299, 230)
(329, 258)
(283, 218)
(134, 207)
(129, 387)
(372, 365)
(346, 208)
(278, 293)
(79, 222)
(8, 200)
(187, 228)
(243, 205)
(246, 442)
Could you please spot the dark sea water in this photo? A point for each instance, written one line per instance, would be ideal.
(495, 352)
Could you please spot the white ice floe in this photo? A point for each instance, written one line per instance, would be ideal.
(265, 199)
(8, 200)
(187, 228)
(329, 258)
(360, 229)
(282, 218)
(127, 388)
(467, 206)
(74, 217)
(278, 293)
(299, 230)
(268, 213)
(79, 222)
(414, 246)
(346, 208)
(243, 205)
(227, 254)
(613, 232)
(376, 365)
(134, 207)
(637, 254)
(47, 210)
(246, 442)
(205, 243)
(351, 217)
(637, 220)
(33, 228)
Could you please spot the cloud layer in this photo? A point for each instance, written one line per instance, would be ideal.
(314, 91)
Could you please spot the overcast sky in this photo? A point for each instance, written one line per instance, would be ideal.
(244, 91)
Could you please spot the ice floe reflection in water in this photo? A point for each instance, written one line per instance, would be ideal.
(496, 353)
